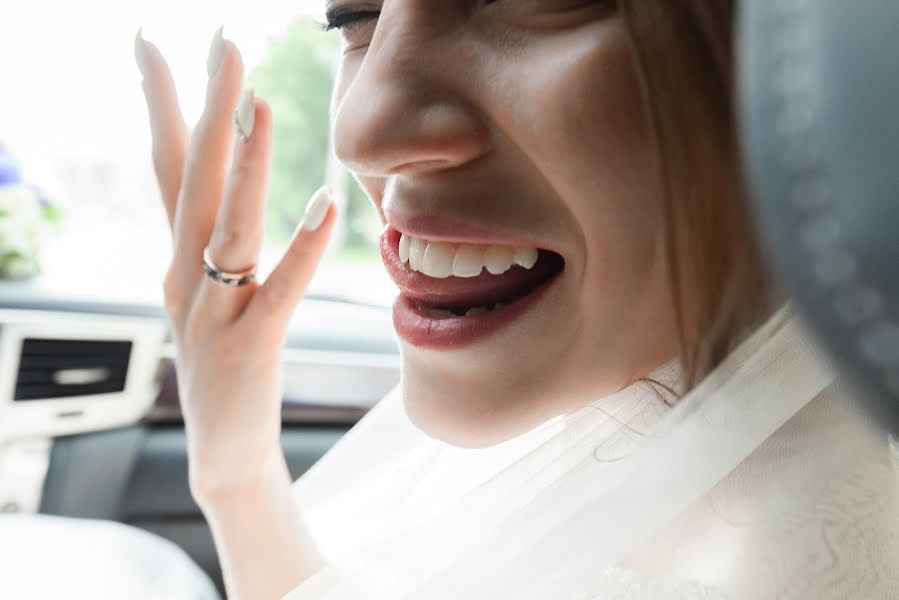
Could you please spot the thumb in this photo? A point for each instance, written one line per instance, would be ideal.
(275, 300)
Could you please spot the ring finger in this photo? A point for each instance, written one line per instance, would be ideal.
(237, 237)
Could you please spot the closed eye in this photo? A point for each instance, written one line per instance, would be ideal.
(341, 17)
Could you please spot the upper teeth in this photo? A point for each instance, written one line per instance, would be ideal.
(442, 259)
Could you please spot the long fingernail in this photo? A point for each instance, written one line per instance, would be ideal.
(316, 210)
(216, 52)
(140, 52)
(245, 116)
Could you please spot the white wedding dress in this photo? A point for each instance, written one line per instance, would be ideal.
(763, 482)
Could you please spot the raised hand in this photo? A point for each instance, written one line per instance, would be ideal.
(228, 337)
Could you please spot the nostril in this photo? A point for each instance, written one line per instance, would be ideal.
(421, 166)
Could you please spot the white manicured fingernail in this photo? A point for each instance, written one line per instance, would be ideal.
(140, 51)
(316, 210)
(245, 116)
(216, 52)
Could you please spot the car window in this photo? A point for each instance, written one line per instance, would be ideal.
(73, 119)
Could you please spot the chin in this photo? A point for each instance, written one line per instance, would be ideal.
(472, 407)
(459, 419)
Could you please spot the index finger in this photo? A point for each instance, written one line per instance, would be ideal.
(169, 133)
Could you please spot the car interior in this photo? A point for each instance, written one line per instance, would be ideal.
(90, 422)
(90, 425)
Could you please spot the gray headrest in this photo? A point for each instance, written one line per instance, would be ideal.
(820, 122)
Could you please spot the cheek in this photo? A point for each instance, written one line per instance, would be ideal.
(581, 121)
(587, 111)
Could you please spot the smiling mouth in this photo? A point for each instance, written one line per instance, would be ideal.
(452, 294)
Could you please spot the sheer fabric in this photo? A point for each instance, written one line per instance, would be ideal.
(761, 482)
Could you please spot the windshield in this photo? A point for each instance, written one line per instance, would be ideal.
(73, 121)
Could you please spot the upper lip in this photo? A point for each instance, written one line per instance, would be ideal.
(447, 229)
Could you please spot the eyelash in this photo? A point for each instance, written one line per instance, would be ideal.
(341, 17)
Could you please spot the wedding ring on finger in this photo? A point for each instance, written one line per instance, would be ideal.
(225, 278)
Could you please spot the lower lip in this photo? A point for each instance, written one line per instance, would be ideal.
(424, 331)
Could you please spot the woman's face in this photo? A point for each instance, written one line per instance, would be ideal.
(496, 132)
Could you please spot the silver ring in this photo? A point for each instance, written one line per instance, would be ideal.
(223, 277)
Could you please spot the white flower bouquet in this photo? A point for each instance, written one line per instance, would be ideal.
(24, 217)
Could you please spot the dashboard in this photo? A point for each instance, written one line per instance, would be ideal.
(77, 366)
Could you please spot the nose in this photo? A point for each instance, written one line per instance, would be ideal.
(408, 107)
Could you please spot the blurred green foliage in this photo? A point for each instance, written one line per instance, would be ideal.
(295, 77)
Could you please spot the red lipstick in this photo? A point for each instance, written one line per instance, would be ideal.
(455, 312)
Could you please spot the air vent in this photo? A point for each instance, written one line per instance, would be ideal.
(57, 368)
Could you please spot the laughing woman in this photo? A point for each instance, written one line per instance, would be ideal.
(602, 394)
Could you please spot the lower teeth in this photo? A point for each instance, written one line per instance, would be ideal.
(442, 313)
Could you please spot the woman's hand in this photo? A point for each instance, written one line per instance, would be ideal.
(228, 339)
